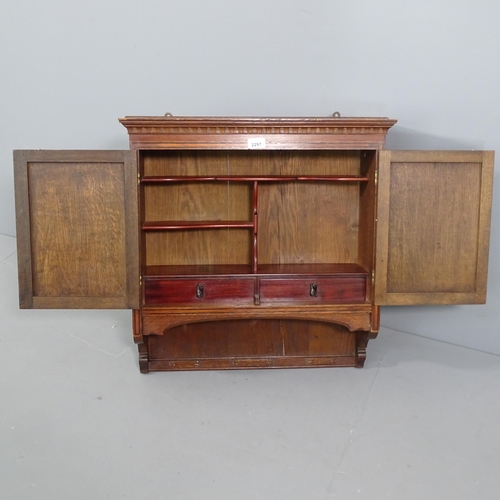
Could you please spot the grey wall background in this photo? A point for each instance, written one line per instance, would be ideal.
(70, 69)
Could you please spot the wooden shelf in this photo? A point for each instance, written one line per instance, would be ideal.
(200, 270)
(333, 178)
(158, 179)
(334, 269)
(180, 224)
(252, 178)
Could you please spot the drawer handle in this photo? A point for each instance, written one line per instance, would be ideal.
(313, 290)
(199, 291)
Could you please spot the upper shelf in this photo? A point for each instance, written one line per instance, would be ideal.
(156, 179)
(168, 132)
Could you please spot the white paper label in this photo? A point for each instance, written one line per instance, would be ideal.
(257, 143)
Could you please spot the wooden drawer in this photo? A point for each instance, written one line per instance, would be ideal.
(313, 289)
(198, 291)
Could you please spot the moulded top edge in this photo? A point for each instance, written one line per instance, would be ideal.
(242, 120)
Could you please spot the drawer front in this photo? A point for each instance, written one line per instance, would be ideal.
(313, 290)
(198, 291)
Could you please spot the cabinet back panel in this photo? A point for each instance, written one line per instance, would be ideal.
(78, 229)
(180, 163)
(437, 194)
(198, 247)
(198, 201)
(302, 222)
(308, 222)
(294, 162)
(185, 163)
(252, 338)
(218, 339)
(307, 338)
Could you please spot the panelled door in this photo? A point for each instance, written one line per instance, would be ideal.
(77, 229)
(433, 227)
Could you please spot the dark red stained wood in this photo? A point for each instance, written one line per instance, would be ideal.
(183, 291)
(255, 246)
(284, 283)
(256, 178)
(180, 224)
(154, 179)
(332, 178)
(232, 290)
(328, 290)
(252, 178)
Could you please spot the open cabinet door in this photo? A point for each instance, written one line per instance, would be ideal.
(77, 229)
(433, 227)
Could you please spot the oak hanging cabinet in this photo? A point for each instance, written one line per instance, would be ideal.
(252, 242)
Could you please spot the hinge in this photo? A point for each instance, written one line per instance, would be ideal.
(376, 177)
(138, 178)
(373, 276)
(140, 280)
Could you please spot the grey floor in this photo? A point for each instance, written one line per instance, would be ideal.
(78, 420)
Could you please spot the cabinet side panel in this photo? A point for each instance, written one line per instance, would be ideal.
(78, 231)
(367, 216)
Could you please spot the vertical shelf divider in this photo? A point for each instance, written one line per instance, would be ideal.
(255, 258)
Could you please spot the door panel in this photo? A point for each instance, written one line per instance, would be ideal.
(433, 227)
(77, 229)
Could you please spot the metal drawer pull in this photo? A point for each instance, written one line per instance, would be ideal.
(199, 291)
(313, 290)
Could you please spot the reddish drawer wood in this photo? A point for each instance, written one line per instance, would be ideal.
(198, 291)
(313, 289)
